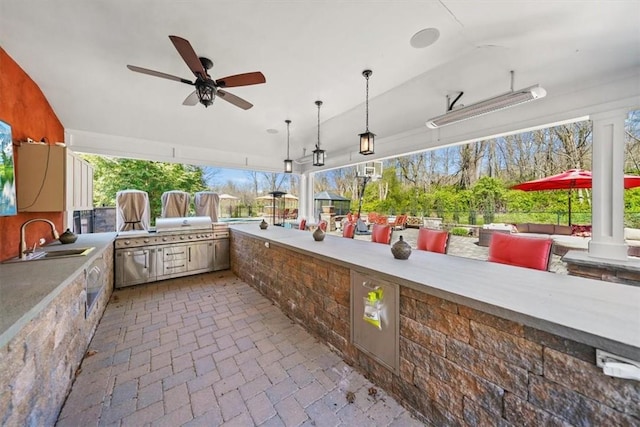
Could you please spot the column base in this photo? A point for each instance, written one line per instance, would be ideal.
(607, 250)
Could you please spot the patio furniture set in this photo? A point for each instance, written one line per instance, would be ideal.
(563, 237)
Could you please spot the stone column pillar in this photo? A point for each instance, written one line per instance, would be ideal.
(607, 209)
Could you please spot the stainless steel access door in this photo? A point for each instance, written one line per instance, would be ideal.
(381, 343)
(200, 256)
(135, 265)
(221, 255)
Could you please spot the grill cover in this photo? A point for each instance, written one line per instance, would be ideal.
(132, 210)
(187, 223)
(206, 204)
(175, 203)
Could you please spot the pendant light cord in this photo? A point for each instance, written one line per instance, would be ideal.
(318, 103)
(367, 104)
(288, 122)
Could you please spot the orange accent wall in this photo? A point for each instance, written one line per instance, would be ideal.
(24, 107)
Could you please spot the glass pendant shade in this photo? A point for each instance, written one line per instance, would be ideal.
(318, 157)
(288, 166)
(367, 140)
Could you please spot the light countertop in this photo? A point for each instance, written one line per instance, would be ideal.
(601, 314)
(26, 287)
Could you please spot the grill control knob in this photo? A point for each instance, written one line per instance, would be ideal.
(190, 237)
(164, 239)
(127, 242)
(181, 237)
(146, 240)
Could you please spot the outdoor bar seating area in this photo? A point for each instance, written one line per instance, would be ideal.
(412, 213)
(499, 343)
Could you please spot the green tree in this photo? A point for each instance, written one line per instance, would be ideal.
(488, 195)
(114, 174)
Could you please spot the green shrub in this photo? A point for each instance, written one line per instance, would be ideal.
(459, 231)
(472, 217)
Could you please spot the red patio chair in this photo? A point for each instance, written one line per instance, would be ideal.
(372, 217)
(348, 229)
(382, 220)
(303, 224)
(322, 225)
(400, 223)
(520, 251)
(433, 240)
(381, 234)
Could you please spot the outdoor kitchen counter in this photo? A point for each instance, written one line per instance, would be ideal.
(601, 314)
(27, 287)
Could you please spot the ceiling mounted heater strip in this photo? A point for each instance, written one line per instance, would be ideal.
(500, 102)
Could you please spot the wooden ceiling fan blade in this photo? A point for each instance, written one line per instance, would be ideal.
(189, 56)
(158, 74)
(244, 79)
(192, 99)
(235, 100)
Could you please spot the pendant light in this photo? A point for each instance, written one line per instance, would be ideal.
(288, 163)
(318, 154)
(367, 138)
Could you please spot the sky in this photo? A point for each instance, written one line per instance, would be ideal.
(238, 176)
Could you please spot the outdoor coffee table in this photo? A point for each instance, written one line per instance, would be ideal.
(564, 244)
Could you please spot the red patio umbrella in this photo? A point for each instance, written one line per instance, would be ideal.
(568, 180)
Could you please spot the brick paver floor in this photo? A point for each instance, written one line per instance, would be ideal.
(209, 350)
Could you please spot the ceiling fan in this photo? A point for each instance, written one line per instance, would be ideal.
(206, 88)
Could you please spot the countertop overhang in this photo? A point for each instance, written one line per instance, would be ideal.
(602, 314)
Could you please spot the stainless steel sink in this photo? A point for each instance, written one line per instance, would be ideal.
(67, 253)
(54, 254)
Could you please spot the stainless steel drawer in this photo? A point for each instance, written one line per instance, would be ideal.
(174, 266)
(171, 253)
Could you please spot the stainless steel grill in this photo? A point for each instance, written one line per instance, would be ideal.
(177, 247)
(171, 230)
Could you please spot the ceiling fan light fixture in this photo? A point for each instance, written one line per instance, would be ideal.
(318, 154)
(367, 139)
(206, 92)
(288, 163)
(500, 102)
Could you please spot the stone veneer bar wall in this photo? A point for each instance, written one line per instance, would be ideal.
(39, 364)
(626, 272)
(608, 274)
(458, 366)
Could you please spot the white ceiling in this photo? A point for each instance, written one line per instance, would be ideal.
(586, 54)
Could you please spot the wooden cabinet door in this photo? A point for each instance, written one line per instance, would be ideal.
(40, 178)
(79, 183)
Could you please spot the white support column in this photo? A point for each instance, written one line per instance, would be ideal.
(607, 234)
(306, 197)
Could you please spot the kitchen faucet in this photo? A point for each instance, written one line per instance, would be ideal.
(23, 240)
